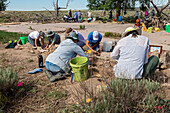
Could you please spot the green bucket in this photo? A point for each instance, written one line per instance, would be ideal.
(167, 29)
(24, 40)
(80, 68)
(150, 29)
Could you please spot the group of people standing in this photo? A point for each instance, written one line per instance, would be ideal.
(146, 18)
(76, 18)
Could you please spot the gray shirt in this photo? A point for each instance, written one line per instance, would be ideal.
(79, 14)
(55, 39)
(131, 54)
(64, 53)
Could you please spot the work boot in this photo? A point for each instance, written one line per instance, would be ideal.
(55, 77)
(48, 73)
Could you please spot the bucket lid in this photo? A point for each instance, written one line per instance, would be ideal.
(84, 59)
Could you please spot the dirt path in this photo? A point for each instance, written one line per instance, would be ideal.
(158, 38)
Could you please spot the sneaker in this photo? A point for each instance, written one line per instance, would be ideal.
(48, 73)
(55, 77)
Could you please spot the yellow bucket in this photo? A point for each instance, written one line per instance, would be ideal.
(157, 29)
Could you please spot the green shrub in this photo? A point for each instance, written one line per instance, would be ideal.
(8, 80)
(30, 60)
(122, 96)
(57, 94)
(82, 26)
(117, 35)
(110, 34)
(104, 21)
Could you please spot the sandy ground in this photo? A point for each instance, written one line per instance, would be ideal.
(19, 61)
(158, 38)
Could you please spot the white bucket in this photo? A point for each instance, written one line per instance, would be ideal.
(107, 46)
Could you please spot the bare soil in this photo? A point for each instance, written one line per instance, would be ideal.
(25, 59)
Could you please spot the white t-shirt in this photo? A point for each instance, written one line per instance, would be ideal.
(34, 35)
(131, 54)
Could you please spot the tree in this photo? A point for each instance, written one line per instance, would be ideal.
(111, 4)
(3, 5)
(57, 8)
(159, 6)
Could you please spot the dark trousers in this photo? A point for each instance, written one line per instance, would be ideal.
(150, 67)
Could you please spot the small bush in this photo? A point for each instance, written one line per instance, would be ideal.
(30, 60)
(82, 26)
(110, 34)
(31, 28)
(123, 96)
(104, 21)
(57, 94)
(8, 80)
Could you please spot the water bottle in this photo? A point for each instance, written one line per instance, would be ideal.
(40, 61)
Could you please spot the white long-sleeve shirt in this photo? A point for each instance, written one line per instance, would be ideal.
(131, 54)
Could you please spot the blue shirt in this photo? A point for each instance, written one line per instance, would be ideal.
(90, 38)
(75, 15)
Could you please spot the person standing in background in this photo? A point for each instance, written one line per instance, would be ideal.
(70, 13)
(75, 16)
(79, 16)
(146, 13)
(137, 15)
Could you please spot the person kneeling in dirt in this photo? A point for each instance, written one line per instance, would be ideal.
(93, 41)
(57, 63)
(131, 52)
(33, 38)
(81, 41)
(54, 37)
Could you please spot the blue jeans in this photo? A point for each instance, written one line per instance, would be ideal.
(52, 67)
(94, 48)
(32, 41)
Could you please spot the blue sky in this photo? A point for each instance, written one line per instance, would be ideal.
(33, 5)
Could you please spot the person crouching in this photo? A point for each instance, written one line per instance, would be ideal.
(57, 63)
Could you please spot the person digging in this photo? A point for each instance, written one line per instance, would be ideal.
(53, 38)
(81, 41)
(33, 38)
(57, 63)
(93, 41)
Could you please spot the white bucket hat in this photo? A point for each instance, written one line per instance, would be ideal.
(95, 35)
(129, 29)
